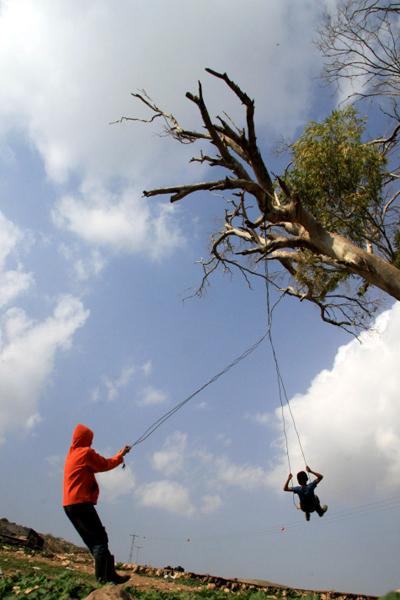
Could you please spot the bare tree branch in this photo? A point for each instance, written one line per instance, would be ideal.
(361, 43)
(313, 262)
(180, 191)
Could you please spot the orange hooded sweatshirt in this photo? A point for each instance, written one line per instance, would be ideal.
(81, 464)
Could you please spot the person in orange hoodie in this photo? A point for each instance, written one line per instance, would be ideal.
(80, 497)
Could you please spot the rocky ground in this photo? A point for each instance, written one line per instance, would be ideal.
(58, 555)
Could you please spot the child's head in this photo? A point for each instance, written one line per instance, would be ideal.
(302, 477)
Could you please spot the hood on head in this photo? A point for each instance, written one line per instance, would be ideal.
(82, 436)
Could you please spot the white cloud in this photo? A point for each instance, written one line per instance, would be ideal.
(12, 281)
(33, 420)
(55, 466)
(121, 224)
(221, 472)
(245, 476)
(95, 394)
(210, 503)
(116, 483)
(55, 460)
(167, 495)
(147, 368)
(348, 418)
(202, 405)
(224, 439)
(123, 379)
(210, 476)
(83, 267)
(152, 396)
(203, 456)
(356, 78)
(27, 356)
(111, 387)
(68, 70)
(10, 236)
(259, 418)
(170, 459)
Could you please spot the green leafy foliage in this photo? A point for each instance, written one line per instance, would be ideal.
(71, 586)
(206, 594)
(339, 179)
(337, 176)
(396, 261)
(317, 278)
(392, 596)
(40, 587)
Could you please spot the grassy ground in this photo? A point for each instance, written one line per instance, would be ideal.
(45, 586)
(25, 574)
(71, 585)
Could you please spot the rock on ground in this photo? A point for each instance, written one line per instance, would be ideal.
(110, 592)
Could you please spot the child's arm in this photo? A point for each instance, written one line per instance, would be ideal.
(317, 475)
(286, 487)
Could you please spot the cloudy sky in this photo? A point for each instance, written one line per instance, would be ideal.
(94, 328)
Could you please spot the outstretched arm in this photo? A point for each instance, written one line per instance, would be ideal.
(317, 475)
(286, 487)
(99, 463)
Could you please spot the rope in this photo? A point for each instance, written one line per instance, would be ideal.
(269, 329)
(154, 426)
(280, 382)
(281, 387)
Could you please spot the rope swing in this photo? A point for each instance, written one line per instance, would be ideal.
(283, 396)
(280, 383)
(154, 426)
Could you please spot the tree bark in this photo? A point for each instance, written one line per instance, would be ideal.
(374, 269)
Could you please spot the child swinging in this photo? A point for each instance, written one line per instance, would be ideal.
(309, 502)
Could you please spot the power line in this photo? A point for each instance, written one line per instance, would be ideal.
(133, 536)
(278, 528)
(137, 553)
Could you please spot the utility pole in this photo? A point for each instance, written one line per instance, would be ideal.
(133, 536)
(137, 553)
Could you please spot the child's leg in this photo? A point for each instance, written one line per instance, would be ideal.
(321, 510)
(306, 511)
(317, 505)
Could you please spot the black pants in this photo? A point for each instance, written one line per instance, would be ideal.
(312, 505)
(87, 523)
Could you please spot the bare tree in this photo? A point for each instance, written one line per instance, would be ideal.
(317, 255)
(361, 43)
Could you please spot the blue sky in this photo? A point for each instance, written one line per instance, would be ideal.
(95, 329)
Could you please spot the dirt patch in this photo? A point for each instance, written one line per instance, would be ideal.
(58, 556)
(51, 544)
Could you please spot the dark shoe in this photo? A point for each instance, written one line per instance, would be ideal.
(324, 508)
(117, 579)
(100, 567)
(307, 516)
(112, 575)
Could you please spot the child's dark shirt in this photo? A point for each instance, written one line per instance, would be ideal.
(306, 494)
